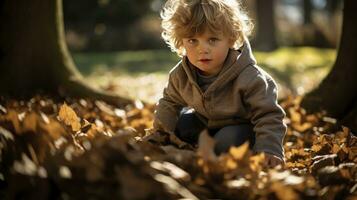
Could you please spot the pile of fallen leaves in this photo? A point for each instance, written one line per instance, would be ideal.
(80, 149)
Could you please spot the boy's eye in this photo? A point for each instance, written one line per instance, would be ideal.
(213, 40)
(191, 41)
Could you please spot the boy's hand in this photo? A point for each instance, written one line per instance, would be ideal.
(273, 160)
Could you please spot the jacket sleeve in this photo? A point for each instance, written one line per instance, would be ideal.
(168, 108)
(266, 115)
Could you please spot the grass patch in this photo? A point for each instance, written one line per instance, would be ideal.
(299, 69)
(129, 62)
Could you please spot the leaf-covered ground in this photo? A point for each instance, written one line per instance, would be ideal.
(84, 149)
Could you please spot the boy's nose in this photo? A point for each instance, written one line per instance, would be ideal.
(203, 49)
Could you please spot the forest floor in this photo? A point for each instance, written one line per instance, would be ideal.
(82, 149)
(64, 148)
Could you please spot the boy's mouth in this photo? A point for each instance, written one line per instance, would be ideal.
(204, 60)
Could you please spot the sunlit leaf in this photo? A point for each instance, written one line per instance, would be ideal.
(69, 117)
(238, 153)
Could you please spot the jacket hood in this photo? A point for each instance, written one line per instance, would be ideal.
(235, 63)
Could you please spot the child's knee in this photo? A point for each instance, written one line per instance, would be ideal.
(188, 127)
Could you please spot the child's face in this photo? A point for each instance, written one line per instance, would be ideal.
(207, 51)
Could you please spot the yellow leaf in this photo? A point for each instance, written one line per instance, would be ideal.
(238, 153)
(295, 165)
(231, 164)
(69, 117)
(257, 161)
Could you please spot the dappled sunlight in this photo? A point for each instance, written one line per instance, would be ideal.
(302, 58)
(146, 87)
(143, 74)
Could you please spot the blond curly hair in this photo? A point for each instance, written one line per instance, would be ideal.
(186, 18)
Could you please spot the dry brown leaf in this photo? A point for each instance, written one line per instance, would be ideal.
(352, 154)
(302, 127)
(295, 116)
(335, 148)
(69, 117)
(12, 116)
(307, 137)
(295, 165)
(30, 122)
(54, 129)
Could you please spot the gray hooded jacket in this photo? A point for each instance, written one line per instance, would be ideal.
(242, 93)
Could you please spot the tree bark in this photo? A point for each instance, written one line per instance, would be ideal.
(307, 11)
(332, 6)
(265, 38)
(337, 93)
(34, 55)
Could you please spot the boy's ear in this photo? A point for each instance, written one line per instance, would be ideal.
(181, 52)
(231, 43)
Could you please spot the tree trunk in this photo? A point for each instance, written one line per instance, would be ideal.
(337, 93)
(34, 55)
(332, 6)
(265, 38)
(307, 11)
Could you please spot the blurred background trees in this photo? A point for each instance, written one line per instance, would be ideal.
(33, 53)
(108, 25)
(265, 37)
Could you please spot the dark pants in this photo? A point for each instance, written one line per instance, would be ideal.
(189, 126)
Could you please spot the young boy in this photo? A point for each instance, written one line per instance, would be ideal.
(217, 84)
